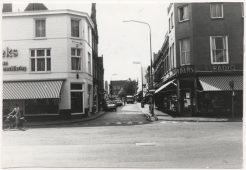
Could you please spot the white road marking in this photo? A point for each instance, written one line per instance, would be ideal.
(145, 144)
(164, 122)
(174, 122)
(129, 123)
(118, 123)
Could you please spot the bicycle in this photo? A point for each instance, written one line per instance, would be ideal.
(11, 122)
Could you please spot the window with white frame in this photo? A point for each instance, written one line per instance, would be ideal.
(75, 27)
(40, 60)
(40, 28)
(172, 22)
(89, 37)
(89, 63)
(183, 13)
(242, 9)
(216, 10)
(173, 56)
(185, 51)
(169, 25)
(76, 59)
(219, 49)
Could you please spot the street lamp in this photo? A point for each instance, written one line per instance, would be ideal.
(137, 62)
(151, 76)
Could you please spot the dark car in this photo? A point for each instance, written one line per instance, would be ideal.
(110, 105)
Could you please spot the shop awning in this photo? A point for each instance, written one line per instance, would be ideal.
(218, 83)
(32, 89)
(165, 85)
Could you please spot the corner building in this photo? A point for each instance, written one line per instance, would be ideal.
(205, 54)
(47, 63)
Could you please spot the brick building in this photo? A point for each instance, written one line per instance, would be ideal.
(47, 63)
(205, 54)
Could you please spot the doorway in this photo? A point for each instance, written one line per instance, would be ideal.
(186, 103)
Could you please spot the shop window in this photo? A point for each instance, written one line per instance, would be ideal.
(40, 60)
(77, 103)
(40, 28)
(75, 28)
(41, 106)
(183, 13)
(216, 10)
(89, 63)
(185, 51)
(6, 107)
(76, 59)
(219, 50)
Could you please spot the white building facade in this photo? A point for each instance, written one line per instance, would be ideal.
(47, 63)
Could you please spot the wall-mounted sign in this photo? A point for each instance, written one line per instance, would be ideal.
(224, 67)
(14, 68)
(10, 53)
(185, 70)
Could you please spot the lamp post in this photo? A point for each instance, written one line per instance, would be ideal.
(137, 62)
(151, 76)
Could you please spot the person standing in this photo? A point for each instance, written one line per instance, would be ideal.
(17, 114)
(151, 107)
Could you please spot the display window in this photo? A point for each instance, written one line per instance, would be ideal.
(41, 106)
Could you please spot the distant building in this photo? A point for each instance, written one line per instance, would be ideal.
(97, 62)
(116, 86)
(106, 87)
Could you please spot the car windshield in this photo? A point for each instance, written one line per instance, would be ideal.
(110, 102)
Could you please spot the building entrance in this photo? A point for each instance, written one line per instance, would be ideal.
(77, 102)
(186, 104)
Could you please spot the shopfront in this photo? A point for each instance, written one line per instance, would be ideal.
(215, 96)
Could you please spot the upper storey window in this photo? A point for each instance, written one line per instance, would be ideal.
(185, 51)
(75, 28)
(40, 60)
(216, 10)
(183, 13)
(39, 28)
(219, 49)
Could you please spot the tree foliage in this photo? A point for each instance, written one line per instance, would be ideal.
(129, 87)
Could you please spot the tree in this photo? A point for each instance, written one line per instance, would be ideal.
(129, 87)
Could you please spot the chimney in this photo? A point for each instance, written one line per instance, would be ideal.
(7, 7)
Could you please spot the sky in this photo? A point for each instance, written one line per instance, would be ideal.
(120, 43)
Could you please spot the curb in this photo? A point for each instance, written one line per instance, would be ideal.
(188, 120)
(69, 121)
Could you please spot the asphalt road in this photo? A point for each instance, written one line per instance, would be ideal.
(126, 139)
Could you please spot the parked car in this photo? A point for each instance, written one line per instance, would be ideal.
(119, 102)
(110, 105)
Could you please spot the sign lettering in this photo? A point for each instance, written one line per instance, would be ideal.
(223, 68)
(14, 68)
(10, 53)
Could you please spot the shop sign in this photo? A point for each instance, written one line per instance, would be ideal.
(10, 53)
(185, 70)
(14, 68)
(223, 68)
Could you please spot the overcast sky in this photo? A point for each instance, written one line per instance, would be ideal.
(121, 43)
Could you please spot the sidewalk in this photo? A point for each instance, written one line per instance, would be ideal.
(57, 122)
(166, 117)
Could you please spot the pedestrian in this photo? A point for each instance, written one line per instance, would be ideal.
(17, 114)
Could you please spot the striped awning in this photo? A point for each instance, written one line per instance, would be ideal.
(165, 85)
(32, 89)
(218, 83)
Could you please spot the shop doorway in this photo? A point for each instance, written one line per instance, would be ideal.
(186, 103)
(77, 102)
